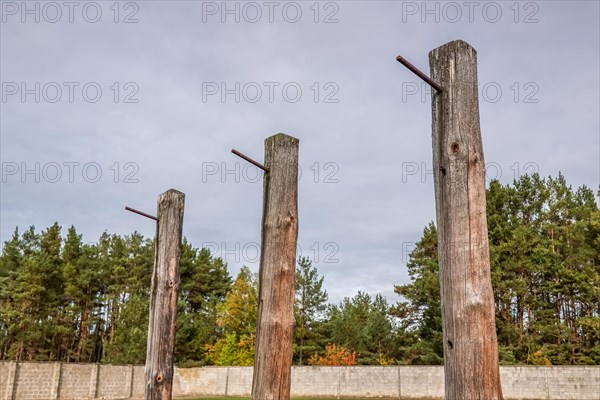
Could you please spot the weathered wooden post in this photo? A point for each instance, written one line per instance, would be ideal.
(468, 313)
(275, 325)
(163, 297)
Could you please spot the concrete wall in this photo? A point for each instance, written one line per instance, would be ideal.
(44, 381)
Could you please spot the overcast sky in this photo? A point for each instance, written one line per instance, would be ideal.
(108, 104)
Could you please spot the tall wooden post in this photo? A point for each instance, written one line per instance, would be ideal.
(275, 325)
(468, 313)
(163, 297)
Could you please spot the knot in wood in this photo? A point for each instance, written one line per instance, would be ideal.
(454, 147)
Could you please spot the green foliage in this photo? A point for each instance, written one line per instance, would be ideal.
(309, 306)
(544, 241)
(128, 343)
(62, 300)
(205, 282)
(235, 350)
(237, 317)
(419, 339)
(362, 324)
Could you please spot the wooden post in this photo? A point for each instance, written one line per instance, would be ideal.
(275, 325)
(163, 297)
(468, 314)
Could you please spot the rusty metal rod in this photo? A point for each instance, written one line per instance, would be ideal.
(141, 213)
(420, 74)
(251, 161)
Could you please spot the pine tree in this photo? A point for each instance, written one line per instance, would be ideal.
(544, 255)
(10, 265)
(420, 332)
(311, 302)
(362, 324)
(205, 282)
(62, 300)
(128, 297)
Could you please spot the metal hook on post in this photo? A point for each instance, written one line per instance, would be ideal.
(419, 73)
(251, 161)
(133, 210)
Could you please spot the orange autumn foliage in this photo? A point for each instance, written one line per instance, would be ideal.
(334, 355)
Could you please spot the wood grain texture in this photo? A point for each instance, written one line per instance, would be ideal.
(468, 313)
(275, 325)
(163, 297)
